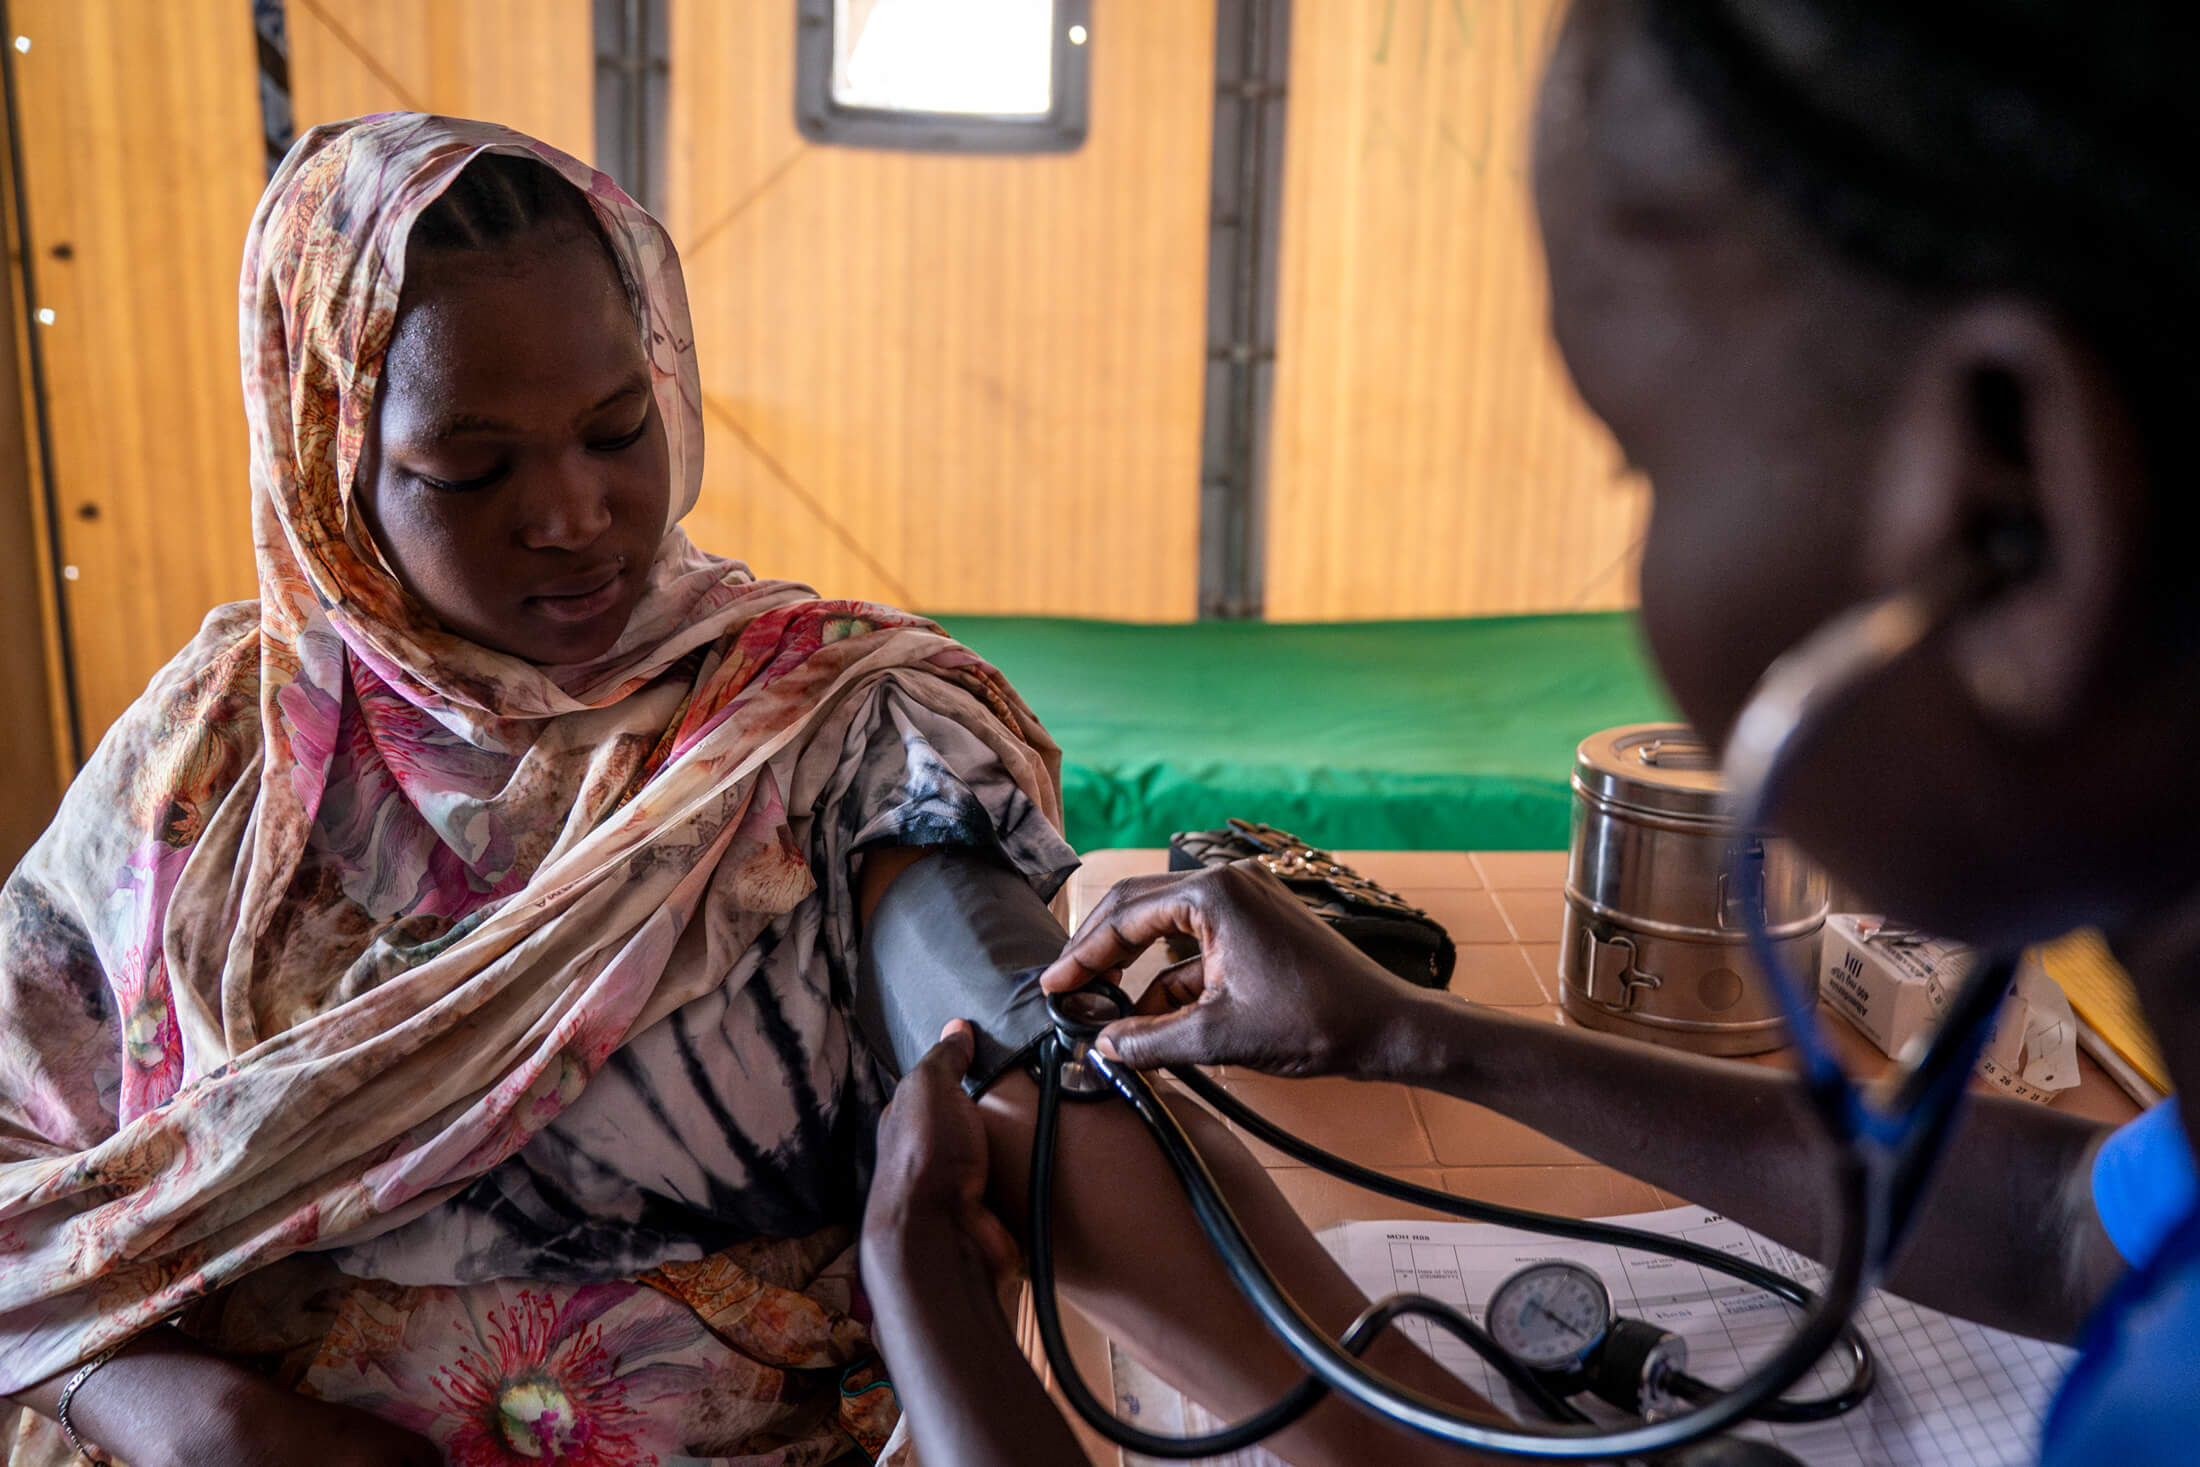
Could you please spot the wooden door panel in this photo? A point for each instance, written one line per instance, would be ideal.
(964, 383)
(143, 161)
(1429, 457)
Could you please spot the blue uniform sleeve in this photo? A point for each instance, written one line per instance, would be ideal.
(2143, 1182)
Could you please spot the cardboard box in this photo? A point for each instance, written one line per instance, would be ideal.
(1881, 983)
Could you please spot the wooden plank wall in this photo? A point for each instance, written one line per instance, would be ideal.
(142, 162)
(31, 763)
(1429, 457)
(530, 64)
(958, 383)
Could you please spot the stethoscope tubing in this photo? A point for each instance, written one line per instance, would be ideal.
(1335, 1366)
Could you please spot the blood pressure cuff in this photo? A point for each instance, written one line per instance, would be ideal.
(957, 936)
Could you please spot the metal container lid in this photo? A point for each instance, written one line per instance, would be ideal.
(1660, 767)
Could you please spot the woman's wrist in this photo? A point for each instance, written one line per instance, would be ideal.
(164, 1400)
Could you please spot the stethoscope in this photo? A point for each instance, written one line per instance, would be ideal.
(1885, 1149)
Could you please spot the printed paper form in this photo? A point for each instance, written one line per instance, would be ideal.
(1950, 1392)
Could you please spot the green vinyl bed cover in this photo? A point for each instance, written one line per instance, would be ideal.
(1414, 735)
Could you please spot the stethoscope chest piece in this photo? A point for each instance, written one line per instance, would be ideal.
(1078, 1019)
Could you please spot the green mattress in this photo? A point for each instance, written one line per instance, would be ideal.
(1423, 735)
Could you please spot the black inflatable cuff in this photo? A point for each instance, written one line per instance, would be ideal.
(958, 935)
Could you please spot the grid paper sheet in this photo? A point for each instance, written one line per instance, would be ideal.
(1950, 1393)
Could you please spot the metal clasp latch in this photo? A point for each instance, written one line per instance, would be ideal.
(1614, 980)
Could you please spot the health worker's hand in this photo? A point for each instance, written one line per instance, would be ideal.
(928, 1192)
(1274, 988)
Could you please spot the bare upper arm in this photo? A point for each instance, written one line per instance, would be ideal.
(880, 867)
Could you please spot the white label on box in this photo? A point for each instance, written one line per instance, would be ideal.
(1894, 989)
(1880, 986)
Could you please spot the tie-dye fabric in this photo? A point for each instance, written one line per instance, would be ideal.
(357, 938)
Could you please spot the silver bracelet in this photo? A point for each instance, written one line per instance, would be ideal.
(68, 1394)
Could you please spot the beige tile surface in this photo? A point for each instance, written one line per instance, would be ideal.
(1322, 1201)
(1571, 1191)
(1469, 916)
(1537, 916)
(1543, 957)
(1513, 870)
(1464, 1135)
(1497, 973)
(1416, 868)
(1370, 1123)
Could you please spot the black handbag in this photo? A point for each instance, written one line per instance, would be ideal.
(1374, 919)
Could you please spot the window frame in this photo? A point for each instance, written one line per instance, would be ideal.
(820, 119)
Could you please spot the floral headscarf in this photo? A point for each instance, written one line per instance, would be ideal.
(347, 908)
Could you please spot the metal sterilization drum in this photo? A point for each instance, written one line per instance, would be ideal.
(1655, 944)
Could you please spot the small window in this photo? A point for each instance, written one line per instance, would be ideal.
(997, 76)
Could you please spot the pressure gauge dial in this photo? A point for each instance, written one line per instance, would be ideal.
(1551, 1316)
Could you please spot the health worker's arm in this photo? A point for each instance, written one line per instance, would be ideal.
(2008, 1235)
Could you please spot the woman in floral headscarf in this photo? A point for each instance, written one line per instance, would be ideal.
(386, 867)
(436, 989)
